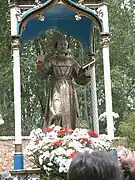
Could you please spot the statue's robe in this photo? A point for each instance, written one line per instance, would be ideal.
(62, 104)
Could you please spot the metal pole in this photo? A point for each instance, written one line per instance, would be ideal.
(18, 156)
(107, 78)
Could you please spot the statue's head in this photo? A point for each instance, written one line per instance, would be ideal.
(61, 44)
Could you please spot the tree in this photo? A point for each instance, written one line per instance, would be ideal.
(6, 80)
(122, 57)
(126, 129)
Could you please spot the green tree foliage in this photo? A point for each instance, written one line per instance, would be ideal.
(126, 129)
(6, 79)
(122, 56)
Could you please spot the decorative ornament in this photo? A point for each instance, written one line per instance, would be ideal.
(99, 12)
(15, 42)
(80, 1)
(77, 17)
(37, 2)
(19, 16)
(41, 18)
(105, 41)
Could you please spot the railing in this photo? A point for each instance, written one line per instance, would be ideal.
(27, 174)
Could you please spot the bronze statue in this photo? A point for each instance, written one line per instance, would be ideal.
(62, 106)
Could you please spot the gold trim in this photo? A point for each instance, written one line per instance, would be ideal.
(37, 14)
(82, 14)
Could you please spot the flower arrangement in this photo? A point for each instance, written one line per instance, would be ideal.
(53, 148)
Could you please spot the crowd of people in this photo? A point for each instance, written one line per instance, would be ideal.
(94, 166)
(100, 165)
(103, 166)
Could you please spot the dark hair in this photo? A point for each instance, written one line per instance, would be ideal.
(97, 165)
(126, 171)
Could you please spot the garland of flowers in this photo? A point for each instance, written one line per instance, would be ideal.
(53, 148)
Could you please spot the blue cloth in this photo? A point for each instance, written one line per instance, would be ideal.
(62, 18)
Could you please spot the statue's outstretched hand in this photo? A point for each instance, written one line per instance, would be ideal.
(87, 69)
(40, 62)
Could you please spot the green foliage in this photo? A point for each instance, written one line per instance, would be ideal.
(126, 129)
(122, 58)
(6, 78)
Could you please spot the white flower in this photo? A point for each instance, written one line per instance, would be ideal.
(42, 135)
(58, 157)
(41, 159)
(75, 144)
(64, 165)
(69, 151)
(46, 154)
(52, 135)
(57, 128)
(47, 168)
(50, 164)
(103, 116)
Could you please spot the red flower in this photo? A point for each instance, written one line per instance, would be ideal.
(93, 134)
(69, 130)
(37, 140)
(64, 131)
(47, 129)
(73, 154)
(57, 142)
(61, 132)
(84, 139)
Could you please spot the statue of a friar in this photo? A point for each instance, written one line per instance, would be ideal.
(62, 105)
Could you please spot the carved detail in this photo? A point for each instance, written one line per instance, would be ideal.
(18, 148)
(37, 2)
(19, 16)
(15, 42)
(105, 41)
(99, 12)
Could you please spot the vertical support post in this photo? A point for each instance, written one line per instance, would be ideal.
(107, 78)
(18, 156)
(94, 99)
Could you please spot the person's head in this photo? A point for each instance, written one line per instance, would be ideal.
(122, 153)
(128, 168)
(61, 44)
(6, 175)
(97, 165)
